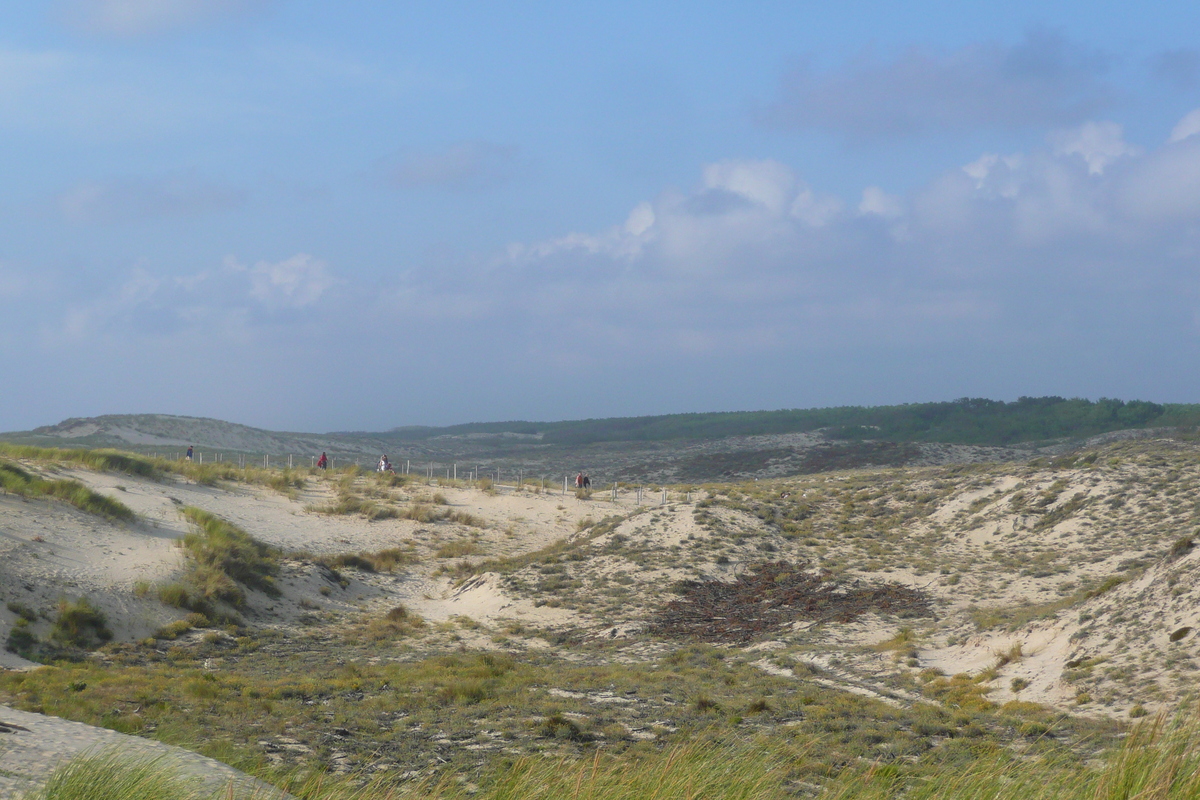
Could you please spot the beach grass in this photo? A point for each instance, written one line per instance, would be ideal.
(17, 480)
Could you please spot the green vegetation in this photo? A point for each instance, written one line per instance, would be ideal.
(363, 713)
(19, 481)
(387, 560)
(349, 503)
(80, 624)
(1158, 762)
(223, 559)
(964, 421)
(110, 776)
(459, 548)
(104, 460)
(77, 626)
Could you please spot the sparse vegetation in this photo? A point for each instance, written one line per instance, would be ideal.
(387, 560)
(1006, 553)
(16, 480)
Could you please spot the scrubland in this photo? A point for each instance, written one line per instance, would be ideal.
(348, 634)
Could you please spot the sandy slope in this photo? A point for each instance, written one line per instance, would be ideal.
(49, 550)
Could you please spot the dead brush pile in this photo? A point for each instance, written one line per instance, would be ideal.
(772, 596)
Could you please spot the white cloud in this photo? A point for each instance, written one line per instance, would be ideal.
(1188, 126)
(879, 203)
(1098, 143)
(814, 210)
(295, 282)
(754, 258)
(1165, 187)
(640, 219)
(768, 183)
(142, 17)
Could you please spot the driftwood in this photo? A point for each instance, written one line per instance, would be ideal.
(774, 595)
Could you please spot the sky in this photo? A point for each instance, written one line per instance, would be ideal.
(313, 216)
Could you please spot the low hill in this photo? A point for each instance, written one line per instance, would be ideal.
(673, 448)
(977, 421)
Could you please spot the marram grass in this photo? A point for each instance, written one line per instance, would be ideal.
(1160, 760)
(17, 480)
(109, 776)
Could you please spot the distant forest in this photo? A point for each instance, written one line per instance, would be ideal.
(965, 421)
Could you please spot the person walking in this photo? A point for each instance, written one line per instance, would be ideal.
(189, 453)
(323, 461)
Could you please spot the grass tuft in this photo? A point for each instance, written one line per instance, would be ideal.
(225, 556)
(19, 481)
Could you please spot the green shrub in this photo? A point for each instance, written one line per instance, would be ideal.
(397, 622)
(79, 624)
(21, 640)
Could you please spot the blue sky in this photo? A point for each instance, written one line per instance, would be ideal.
(312, 216)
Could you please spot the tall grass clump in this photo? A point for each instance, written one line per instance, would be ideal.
(110, 776)
(467, 518)
(286, 482)
(349, 503)
(224, 556)
(16, 480)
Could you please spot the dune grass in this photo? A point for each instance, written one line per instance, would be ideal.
(109, 776)
(19, 481)
(103, 460)
(1160, 760)
(224, 558)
